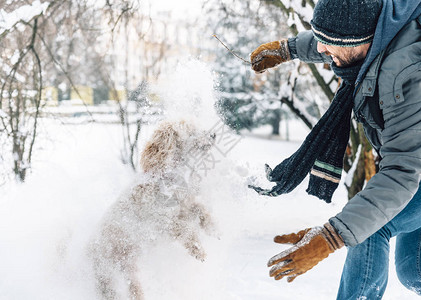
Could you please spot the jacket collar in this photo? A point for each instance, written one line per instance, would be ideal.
(368, 85)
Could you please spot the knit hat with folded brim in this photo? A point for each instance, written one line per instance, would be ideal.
(345, 23)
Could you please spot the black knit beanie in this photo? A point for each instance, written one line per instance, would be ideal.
(345, 23)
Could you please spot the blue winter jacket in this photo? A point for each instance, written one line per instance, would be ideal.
(390, 75)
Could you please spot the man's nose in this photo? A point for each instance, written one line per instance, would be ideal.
(321, 48)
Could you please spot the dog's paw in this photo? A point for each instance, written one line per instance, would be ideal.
(206, 223)
(197, 252)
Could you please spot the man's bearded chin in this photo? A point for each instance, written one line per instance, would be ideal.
(347, 61)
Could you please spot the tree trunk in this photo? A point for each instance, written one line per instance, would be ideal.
(276, 123)
(366, 167)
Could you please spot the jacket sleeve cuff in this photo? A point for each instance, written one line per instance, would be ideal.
(345, 233)
(292, 47)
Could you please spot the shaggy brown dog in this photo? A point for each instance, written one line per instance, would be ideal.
(164, 203)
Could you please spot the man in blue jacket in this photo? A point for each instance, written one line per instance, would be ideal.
(375, 47)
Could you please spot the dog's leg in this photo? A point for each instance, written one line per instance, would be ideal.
(135, 289)
(205, 220)
(192, 244)
(130, 271)
(189, 239)
(104, 284)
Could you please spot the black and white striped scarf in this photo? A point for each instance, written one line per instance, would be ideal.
(322, 152)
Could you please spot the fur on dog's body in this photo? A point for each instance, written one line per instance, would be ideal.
(163, 204)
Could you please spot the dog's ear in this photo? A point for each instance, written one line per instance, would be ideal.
(160, 152)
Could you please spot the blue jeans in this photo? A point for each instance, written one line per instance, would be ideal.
(365, 273)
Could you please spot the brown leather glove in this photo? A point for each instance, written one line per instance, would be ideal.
(311, 246)
(269, 55)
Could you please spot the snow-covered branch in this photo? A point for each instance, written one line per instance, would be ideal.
(21, 15)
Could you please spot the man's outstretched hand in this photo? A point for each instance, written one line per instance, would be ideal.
(310, 246)
(269, 55)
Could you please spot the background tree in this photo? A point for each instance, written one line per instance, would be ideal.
(248, 100)
(47, 43)
(21, 82)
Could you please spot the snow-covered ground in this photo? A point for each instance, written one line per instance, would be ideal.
(45, 225)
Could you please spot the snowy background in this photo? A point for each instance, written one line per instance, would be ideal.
(46, 222)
